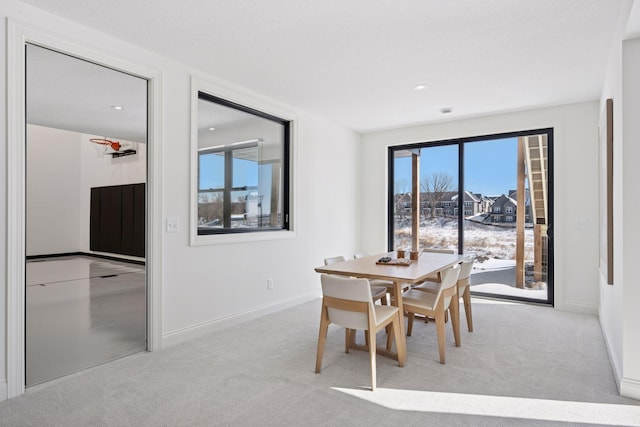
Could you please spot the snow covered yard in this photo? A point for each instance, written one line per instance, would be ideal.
(494, 247)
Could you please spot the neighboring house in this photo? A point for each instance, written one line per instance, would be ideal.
(498, 209)
(472, 204)
(504, 208)
(486, 203)
(446, 204)
(403, 203)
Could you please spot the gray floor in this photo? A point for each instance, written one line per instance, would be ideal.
(523, 365)
(81, 312)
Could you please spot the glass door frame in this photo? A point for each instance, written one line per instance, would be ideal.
(460, 142)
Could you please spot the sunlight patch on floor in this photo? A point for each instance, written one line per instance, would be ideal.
(501, 406)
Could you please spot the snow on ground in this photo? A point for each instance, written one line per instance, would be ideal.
(497, 276)
(483, 239)
(494, 247)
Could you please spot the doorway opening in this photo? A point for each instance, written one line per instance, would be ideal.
(85, 214)
(490, 196)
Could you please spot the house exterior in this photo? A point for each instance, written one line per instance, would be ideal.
(504, 209)
(446, 204)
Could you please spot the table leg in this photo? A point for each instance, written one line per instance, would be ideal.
(401, 341)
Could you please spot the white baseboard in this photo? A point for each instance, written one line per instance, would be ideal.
(186, 334)
(613, 358)
(576, 307)
(630, 388)
(3, 391)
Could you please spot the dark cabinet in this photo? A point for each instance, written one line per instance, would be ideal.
(118, 219)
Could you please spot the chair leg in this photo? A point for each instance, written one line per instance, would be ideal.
(409, 323)
(349, 337)
(322, 338)
(389, 330)
(454, 308)
(441, 334)
(383, 300)
(466, 297)
(371, 334)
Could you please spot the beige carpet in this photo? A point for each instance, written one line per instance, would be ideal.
(523, 365)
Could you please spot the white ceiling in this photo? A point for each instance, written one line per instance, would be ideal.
(355, 61)
(64, 92)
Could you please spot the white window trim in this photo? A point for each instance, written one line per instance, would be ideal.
(200, 85)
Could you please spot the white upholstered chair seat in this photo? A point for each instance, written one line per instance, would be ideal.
(428, 286)
(379, 293)
(426, 300)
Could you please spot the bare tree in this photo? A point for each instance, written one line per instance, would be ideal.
(210, 207)
(435, 187)
(400, 194)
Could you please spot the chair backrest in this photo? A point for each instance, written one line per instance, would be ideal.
(439, 251)
(348, 301)
(333, 260)
(360, 255)
(465, 272)
(448, 284)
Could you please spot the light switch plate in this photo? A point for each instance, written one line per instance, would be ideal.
(173, 226)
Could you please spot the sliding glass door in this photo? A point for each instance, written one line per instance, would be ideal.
(438, 185)
(489, 196)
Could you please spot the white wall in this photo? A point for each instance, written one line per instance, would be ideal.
(611, 297)
(630, 227)
(630, 384)
(53, 191)
(3, 213)
(575, 165)
(619, 316)
(206, 286)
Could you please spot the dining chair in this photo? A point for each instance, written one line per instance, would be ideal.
(435, 277)
(435, 305)
(378, 290)
(378, 293)
(347, 302)
(464, 289)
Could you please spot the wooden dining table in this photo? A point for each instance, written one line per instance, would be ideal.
(417, 271)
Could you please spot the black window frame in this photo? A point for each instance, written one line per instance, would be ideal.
(460, 142)
(286, 172)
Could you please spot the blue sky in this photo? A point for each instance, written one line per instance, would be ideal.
(490, 166)
(212, 172)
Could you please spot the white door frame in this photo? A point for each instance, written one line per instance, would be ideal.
(18, 35)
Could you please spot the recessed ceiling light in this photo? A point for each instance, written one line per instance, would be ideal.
(117, 107)
(446, 110)
(420, 87)
(212, 128)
